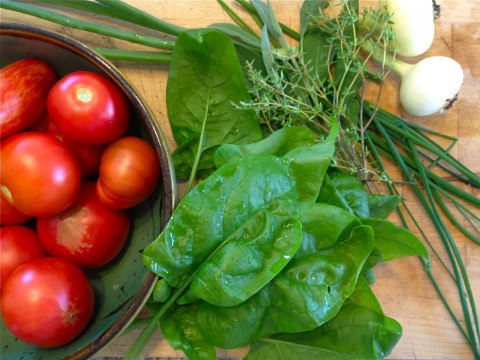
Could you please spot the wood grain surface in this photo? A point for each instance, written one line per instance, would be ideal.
(402, 286)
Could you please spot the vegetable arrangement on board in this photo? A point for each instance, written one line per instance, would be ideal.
(290, 153)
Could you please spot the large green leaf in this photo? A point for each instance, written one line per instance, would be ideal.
(308, 292)
(249, 259)
(307, 159)
(360, 330)
(204, 83)
(216, 209)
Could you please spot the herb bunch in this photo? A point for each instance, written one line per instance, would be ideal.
(304, 88)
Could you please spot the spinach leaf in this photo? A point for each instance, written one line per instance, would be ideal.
(313, 287)
(309, 164)
(308, 160)
(356, 332)
(276, 349)
(278, 144)
(308, 292)
(179, 326)
(381, 205)
(345, 191)
(360, 330)
(395, 242)
(323, 225)
(250, 58)
(215, 209)
(249, 259)
(317, 54)
(204, 82)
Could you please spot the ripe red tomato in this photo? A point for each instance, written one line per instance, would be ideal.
(38, 174)
(87, 233)
(88, 155)
(47, 302)
(129, 172)
(18, 245)
(10, 215)
(23, 94)
(97, 113)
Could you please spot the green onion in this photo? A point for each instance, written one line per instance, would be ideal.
(132, 55)
(65, 20)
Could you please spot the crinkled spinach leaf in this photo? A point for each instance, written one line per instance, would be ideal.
(360, 330)
(179, 326)
(308, 160)
(308, 292)
(249, 259)
(215, 209)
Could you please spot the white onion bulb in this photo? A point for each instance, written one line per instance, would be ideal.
(430, 86)
(413, 24)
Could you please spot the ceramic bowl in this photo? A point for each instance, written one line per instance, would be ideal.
(123, 286)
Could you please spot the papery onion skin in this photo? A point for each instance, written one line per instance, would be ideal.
(431, 85)
(413, 24)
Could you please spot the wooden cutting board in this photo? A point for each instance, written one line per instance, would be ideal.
(402, 286)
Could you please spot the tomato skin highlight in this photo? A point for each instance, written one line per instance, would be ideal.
(39, 175)
(87, 233)
(18, 244)
(129, 172)
(23, 94)
(47, 302)
(98, 111)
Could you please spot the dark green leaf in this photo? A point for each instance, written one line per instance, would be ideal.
(275, 349)
(360, 330)
(204, 82)
(179, 326)
(249, 259)
(278, 144)
(395, 242)
(313, 287)
(309, 164)
(382, 205)
(345, 191)
(309, 291)
(323, 225)
(214, 210)
(317, 54)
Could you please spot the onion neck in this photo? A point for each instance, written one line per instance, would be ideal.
(389, 61)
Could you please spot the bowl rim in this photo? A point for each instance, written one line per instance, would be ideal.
(168, 183)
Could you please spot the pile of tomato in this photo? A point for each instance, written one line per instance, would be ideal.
(69, 172)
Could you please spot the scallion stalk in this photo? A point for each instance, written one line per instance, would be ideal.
(134, 55)
(52, 16)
